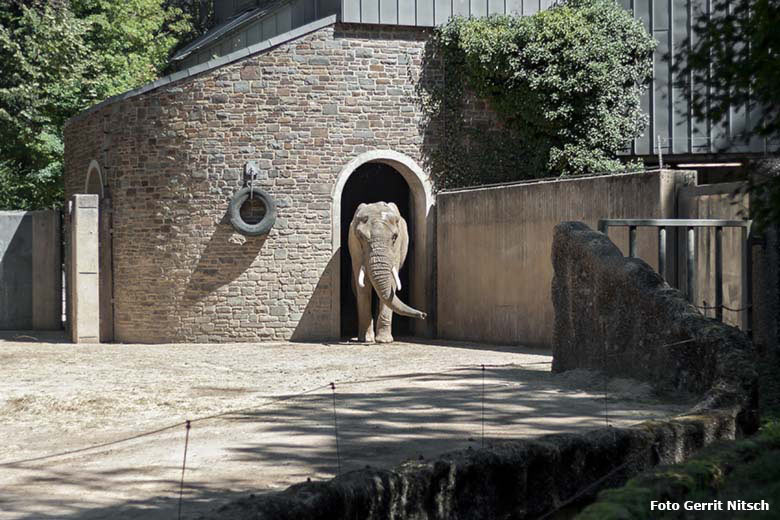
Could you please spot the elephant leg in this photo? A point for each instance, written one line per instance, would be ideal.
(384, 324)
(365, 319)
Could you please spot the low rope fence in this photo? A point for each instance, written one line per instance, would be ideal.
(477, 372)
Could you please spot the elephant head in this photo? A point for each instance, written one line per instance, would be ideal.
(378, 243)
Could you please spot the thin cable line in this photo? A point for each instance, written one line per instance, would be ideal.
(272, 400)
(93, 447)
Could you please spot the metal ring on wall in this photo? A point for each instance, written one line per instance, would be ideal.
(243, 227)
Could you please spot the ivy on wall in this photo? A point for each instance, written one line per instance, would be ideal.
(565, 85)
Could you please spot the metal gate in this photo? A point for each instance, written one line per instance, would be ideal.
(692, 227)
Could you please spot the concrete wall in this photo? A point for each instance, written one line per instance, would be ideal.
(766, 268)
(30, 270)
(174, 156)
(715, 201)
(493, 247)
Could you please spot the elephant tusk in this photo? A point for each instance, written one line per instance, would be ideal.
(362, 277)
(397, 279)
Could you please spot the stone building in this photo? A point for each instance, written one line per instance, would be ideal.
(317, 111)
(317, 98)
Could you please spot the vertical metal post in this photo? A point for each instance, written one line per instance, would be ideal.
(747, 289)
(660, 154)
(719, 273)
(336, 428)
(483, 406)
(690, 271)
(602, 227)
(632, 241)
(662, 251)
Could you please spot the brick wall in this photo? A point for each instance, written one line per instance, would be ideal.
(175, 157)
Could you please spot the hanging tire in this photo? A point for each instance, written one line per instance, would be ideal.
(265, 224)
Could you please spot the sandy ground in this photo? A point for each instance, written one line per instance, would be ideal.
(394, 402)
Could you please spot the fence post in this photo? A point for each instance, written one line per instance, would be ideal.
(719, 273)
(662, 252)
(336, 428)
(184, 464)
(483, 406)
(690, 271)
(747, 289)
(632, 241)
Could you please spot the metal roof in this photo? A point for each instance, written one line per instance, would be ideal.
(210, 65)
(230, 25)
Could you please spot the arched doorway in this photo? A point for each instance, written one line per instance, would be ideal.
(372, 182)
(394, 177)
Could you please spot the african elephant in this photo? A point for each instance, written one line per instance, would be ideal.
(378, 243)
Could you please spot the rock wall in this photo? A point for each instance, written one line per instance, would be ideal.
(519, 479)
(617, 314)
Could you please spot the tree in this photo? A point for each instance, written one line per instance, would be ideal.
(60, 57)
(565, 82)
(43, 57)
(733, 60)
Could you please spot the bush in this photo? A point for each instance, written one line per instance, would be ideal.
(565, 83)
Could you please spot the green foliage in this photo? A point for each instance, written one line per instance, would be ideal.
(764, 188)
(565, 82)
(58, 58)
(747, 470)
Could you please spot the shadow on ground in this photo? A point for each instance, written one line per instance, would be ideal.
(413, 416)
(34, 336)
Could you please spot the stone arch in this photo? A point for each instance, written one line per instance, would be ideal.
(421, 266)
(94, 167)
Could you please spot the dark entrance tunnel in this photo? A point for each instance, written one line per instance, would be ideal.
(372, 182)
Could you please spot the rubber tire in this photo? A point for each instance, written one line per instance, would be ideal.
(261, 228)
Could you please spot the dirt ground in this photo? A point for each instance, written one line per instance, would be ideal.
(393, 402)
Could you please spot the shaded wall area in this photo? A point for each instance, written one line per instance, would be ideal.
(715, 201)
(493, 247)
(30, 270)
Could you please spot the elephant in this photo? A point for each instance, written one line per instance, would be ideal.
(378, 243)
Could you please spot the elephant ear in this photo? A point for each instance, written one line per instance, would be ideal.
(394, 208)
(403, 235)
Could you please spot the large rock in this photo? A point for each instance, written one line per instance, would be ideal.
(617, 314)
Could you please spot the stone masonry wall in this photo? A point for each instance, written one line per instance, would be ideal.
(174, 158)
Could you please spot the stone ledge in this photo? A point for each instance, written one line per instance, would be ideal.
(515, 479)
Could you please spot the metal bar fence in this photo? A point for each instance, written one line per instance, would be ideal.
(692, 226)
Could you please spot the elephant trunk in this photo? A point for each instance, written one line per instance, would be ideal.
(380, 271)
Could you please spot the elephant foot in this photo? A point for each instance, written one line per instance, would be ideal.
(369, 338)
(384, 338)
